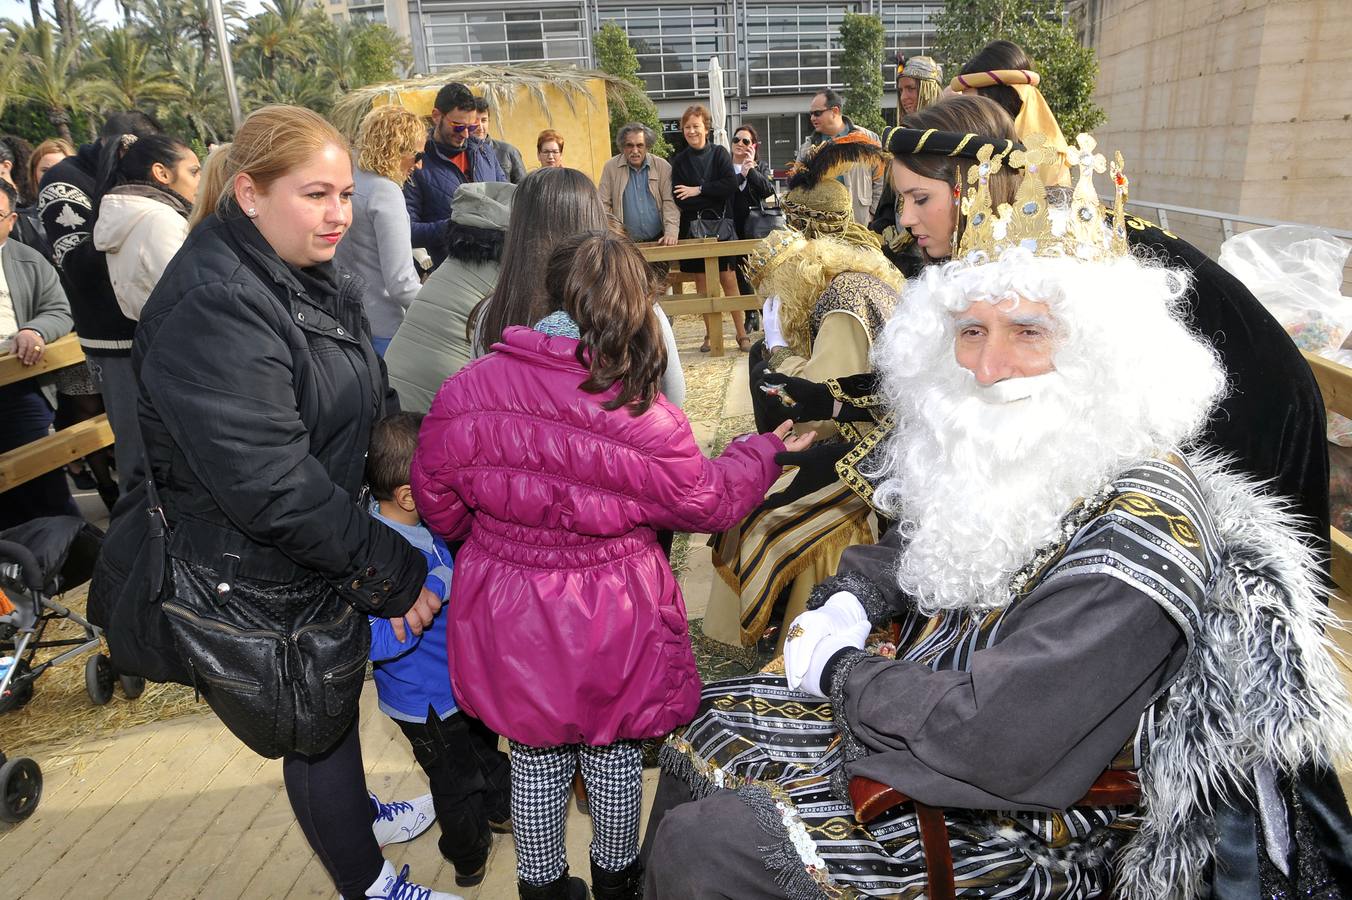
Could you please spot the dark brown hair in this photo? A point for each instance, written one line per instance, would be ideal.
(994, 56)
(604, 285)
(755, 138)
(965, 114)
(390, 456)
(548, 205)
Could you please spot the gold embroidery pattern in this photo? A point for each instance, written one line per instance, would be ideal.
(762, 707)
(836, 828)
(1136, 504)
(848, 467)
(870, 300)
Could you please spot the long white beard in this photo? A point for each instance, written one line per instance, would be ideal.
(984, 476)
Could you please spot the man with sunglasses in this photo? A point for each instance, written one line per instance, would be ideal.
(830, 125)
(453, 156)
(636, 188)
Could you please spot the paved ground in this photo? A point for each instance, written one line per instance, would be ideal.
(180, 809)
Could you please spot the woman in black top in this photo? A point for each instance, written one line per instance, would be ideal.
(753, 186)
(703, 181)
(259, 387)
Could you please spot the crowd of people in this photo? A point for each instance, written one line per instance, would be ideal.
(1013, 516)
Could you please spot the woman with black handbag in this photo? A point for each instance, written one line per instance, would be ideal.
(749, 213)
(259, 388)
(703, 183)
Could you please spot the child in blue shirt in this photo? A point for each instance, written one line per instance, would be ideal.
(469, 776)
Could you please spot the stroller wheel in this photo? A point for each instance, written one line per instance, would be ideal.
(20, 689)
(20, 789)
(99, 679)
(132, 685)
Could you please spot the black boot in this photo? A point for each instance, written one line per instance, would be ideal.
(561, 888)
(626, 884)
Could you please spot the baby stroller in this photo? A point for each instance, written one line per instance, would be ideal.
(39, 560)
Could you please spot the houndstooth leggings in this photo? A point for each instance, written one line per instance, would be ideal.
(541, 778)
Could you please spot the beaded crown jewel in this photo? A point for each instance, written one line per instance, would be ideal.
(778, 246)
(1030, 221)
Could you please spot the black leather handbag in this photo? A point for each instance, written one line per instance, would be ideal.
(280, 663)
(130, 582)
(279, 686)
(761, 220)
(709, 224)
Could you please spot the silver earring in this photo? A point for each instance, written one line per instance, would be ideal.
(251, 213)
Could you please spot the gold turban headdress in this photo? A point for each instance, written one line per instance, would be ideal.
(1035, 117)
(929, 76)
(818, 205)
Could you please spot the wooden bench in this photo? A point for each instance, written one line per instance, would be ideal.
(712, 303)
(61, 447)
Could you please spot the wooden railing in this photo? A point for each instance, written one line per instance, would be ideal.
(1335, 383)
(712, 303)
(54, 450)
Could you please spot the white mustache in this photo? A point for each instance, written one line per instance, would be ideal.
(1012, 390)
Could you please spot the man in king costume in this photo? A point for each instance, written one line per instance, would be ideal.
(830, 291)
(1076, 590)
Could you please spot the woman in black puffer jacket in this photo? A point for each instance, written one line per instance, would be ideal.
(259, 388)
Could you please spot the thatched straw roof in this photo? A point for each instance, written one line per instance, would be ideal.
(500, 84)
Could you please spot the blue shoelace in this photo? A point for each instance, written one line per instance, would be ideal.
(403, 889)
(388, 811)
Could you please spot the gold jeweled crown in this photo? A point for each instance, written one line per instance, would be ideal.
(1030, 221)
(777, 246)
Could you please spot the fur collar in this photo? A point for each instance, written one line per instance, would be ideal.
(1259, 690)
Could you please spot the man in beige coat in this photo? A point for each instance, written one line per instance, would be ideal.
(636, 188)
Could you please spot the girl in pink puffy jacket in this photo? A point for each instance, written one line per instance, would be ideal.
(556, 460)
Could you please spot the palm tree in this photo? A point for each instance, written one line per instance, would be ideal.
(11, 67)
(293, 85)
(53, 78)
(200, 26)
(201, 104)
(162, 23)
(338, 55)
(270, 40)
(131, 79)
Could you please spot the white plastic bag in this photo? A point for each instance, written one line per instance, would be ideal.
(1296, 271)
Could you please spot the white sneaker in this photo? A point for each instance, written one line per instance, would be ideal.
(402, 820)
(389, 886)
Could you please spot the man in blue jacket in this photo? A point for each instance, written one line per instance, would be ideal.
(453, 156)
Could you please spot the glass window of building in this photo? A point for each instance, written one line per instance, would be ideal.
(674, 44)
(793, 47)
(910, 32)
(504, 35)
(780, 137)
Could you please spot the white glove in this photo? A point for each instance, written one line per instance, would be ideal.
(840, 622)
(774, 334)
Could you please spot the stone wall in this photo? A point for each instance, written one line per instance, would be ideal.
(1240, 106)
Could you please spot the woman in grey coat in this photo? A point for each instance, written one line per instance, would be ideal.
(433, 342)
(378, 245)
